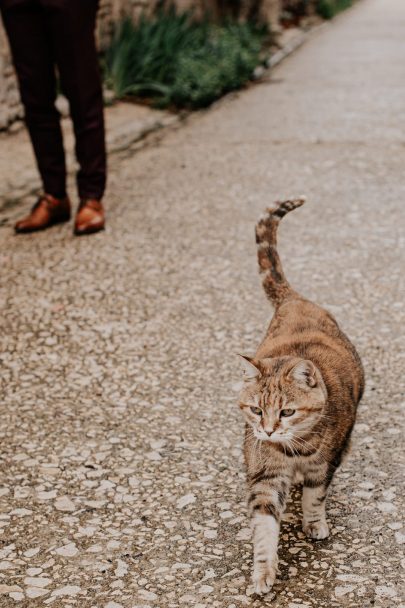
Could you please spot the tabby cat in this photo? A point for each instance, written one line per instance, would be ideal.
(299, 398)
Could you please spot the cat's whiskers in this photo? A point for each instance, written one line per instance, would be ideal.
(262, 457)
(311, 446)
(255, 451)
(291, 447)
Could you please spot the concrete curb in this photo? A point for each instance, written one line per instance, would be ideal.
(295, 43)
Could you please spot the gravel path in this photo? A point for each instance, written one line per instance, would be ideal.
(122, 478)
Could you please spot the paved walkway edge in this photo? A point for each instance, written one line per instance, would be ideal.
(294, 44)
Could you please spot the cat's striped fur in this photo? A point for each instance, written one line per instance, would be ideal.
(299, 398)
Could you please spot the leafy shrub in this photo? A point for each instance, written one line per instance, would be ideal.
(329, 8)
(174, 60)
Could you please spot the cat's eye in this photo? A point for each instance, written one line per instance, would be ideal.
(256, 410)
(287, 412)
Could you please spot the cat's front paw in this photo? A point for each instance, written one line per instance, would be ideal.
(264, 575)
(317, 530)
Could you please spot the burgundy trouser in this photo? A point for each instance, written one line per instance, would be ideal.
(49, 34)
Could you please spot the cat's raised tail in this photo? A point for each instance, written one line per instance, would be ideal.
(275, 284)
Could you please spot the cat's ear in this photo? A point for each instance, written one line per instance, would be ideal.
(304, 373)
(250, 367)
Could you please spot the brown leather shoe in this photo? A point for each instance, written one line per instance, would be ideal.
(46, 212)
(90, 217)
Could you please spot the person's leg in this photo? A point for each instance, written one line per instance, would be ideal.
(73, 37)
(31, 49)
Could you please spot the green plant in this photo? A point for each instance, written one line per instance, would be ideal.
(174, 60)
(329, 8)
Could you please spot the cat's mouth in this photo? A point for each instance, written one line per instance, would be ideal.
(273, 438)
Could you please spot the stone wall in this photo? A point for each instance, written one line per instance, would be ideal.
(267, 10)
(110, 12)
(10, 107)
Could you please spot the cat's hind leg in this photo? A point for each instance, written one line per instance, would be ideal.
(316, 482)
(314, 522)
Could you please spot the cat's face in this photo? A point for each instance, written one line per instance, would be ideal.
(282, 399)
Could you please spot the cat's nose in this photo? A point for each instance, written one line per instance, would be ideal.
(269, 432)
